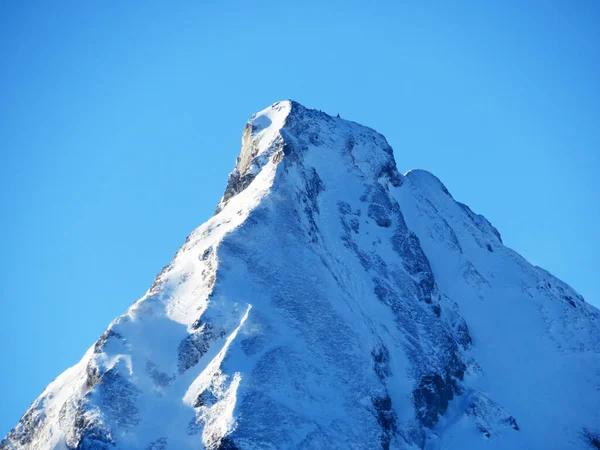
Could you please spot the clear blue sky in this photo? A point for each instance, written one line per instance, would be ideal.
(119, 122)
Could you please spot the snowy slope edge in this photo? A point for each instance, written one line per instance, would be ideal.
(64, 401)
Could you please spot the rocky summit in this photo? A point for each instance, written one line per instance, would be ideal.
(334, 303)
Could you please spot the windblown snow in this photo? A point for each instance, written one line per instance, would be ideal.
(333, 303)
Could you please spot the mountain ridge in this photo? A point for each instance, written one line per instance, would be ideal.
(333, 302)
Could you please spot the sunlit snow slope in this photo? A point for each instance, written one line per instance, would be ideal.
(333, 303)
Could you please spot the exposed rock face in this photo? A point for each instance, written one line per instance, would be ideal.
(334, 303)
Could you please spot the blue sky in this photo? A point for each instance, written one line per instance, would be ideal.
(119, 122)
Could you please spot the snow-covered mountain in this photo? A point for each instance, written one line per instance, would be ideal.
(333, 303)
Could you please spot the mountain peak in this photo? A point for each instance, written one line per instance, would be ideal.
(333, 303)
(287, 131)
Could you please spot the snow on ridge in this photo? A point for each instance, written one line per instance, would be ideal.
(430, 184)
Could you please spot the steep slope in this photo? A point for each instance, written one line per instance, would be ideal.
(332, 302)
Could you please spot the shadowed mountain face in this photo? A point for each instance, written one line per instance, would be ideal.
(333, 303)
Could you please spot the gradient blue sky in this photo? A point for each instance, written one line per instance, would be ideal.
(119, 122)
